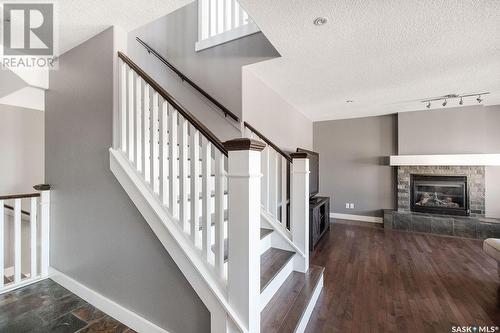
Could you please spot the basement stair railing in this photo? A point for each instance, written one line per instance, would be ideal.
(206, 193)
(24, 238)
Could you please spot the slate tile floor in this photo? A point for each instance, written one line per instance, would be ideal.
(47, 307)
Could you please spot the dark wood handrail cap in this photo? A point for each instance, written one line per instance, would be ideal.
(244, 144)
(42, 187)
(298, 155)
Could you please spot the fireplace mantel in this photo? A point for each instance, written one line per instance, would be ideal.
(446, 160)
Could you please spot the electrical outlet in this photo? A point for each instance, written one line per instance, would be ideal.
(351, 206)
(347, 205)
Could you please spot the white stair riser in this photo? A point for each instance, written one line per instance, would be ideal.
(265, 243)
(275, 284)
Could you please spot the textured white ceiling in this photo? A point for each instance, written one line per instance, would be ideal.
(383, 55)
(81, 19)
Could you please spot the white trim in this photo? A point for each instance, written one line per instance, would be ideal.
(10, 213)
(447, 160)
(267, 294)
(115, 310)
(372, 219)
(227, 36)
(301, 327)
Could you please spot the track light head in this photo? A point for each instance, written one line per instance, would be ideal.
(444, 103)
(461, 101)
(479, 99)
(428, 105)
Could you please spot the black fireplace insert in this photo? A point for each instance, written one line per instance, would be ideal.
(439, 194)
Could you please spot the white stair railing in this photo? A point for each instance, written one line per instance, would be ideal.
(24, 238)
(183, 167)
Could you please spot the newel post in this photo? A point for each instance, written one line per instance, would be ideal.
(244, 229)
(45, 228)
(299, 205)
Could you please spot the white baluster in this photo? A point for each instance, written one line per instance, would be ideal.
(130, 114)
(284, 181)
(173, 162)
(163, 135)
(45, 233)
(219, 213)
(17, 240)
(299, 206)
(137, 122)
(212, 17)
(153, 138)
(145, 132)
(206, 200)
(33, 237)
(183, 174)
(233, 14)
(273, 183)
(265, 178)
(194, 141)
(2, 266)
(123, 107)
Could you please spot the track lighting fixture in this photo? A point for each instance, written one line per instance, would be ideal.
(445, 98)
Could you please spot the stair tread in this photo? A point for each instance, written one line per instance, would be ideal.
(271, 263)
(263, 233)
(283, 313)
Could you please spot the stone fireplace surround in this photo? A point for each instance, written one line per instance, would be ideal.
(473, 226)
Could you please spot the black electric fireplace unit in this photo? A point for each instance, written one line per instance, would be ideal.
(439, 194)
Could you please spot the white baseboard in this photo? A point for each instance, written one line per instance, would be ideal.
(372, 219)
(115, 310)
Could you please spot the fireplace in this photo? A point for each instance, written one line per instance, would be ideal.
(439, 194)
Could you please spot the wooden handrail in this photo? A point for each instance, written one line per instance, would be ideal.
(269, 142)
(12, 208)
(186, 79)
(19, 196)
(185, 113)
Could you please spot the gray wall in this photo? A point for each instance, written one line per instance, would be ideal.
(450, 131)
(97, 235)
(21, 149)
(353, 163)
(217, 70)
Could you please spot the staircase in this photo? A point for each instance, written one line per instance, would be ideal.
(233, 215)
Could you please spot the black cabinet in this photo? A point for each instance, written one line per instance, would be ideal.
(319, 219)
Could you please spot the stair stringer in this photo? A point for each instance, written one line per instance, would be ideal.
(172, 239)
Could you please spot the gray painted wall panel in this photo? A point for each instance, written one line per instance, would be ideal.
(353, 163)
(97, 235)
(466, 130)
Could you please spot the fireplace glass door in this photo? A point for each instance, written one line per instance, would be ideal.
(439, 194)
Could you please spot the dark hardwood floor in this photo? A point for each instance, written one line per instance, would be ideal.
(379, 280)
